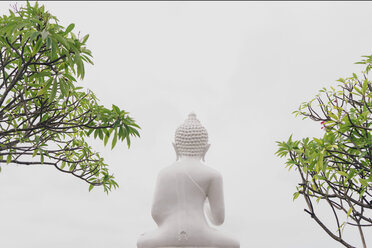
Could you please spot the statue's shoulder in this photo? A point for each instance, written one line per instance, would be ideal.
(210, 172)
(215, 173)
(167, 169)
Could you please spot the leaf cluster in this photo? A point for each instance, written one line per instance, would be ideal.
(337, 168)
(45, 117)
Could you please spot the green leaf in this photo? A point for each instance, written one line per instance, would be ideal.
(116, 109)
(54, 91)
(39, 75)
(135, 132)
(49, 43)
(100, 134)
(319, 165)
(349, 211)
(34, 35)
(128, 140)
(37, 47)
(89, 132)
(91, 187)
(69, 28)
(106, 139)
(54, 50)
(342, 173)
(295, 195)
(364, 182)
(62, 87)
(41, 158)
(358, 90)
(85, 38)
(25, 37)
(70, 77)
(365, 85)
(46, 87)
(9, 158)
(320, 142)
(121, 132)
(79, 65)
(351, 174)
(62, 40)
(63, 164)
(114, 140)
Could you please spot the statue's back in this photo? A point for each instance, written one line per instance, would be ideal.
(181, 191)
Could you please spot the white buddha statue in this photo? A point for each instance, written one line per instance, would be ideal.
(186, 193)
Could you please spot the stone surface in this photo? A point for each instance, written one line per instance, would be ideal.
(186, 193)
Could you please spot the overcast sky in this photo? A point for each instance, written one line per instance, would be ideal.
(242, 67)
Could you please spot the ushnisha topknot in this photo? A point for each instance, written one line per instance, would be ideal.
(191, 137)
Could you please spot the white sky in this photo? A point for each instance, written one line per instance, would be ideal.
(242, 67)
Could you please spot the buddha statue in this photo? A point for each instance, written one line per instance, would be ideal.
(187, 192)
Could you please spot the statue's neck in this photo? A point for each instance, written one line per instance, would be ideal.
(190, 159)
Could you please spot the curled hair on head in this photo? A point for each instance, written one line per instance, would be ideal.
(191, 138)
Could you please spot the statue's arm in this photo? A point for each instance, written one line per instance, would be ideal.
(155, 213)
(215, 210)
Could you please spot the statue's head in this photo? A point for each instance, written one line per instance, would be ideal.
(191, 139)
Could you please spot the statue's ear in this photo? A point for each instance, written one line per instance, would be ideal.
(205, 151)
(176, 150)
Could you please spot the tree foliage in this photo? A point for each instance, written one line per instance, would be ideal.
(337, 168)
(45, 117)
